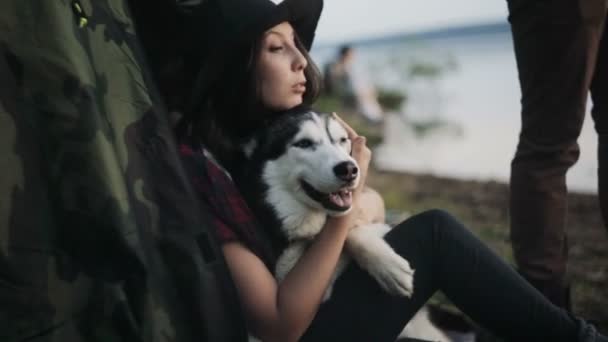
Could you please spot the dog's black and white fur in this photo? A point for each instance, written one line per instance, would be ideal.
(297, 171)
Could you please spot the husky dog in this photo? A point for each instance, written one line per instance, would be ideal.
(298, 171)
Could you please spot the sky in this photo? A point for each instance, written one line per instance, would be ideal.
(351, 19)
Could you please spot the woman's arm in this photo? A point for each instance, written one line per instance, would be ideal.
(283, 312)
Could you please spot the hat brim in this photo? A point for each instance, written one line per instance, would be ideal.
(303, 15)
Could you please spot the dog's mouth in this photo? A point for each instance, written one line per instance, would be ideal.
(340, 200)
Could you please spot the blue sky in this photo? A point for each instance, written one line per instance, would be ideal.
(349, 19)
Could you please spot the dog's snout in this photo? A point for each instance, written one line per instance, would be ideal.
(346, 171)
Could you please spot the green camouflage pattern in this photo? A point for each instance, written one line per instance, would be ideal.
(101, 237)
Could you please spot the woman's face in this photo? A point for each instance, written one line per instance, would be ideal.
(280, 69)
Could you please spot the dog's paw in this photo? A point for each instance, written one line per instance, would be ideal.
(394, 275)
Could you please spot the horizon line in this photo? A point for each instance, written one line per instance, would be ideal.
(430, 32)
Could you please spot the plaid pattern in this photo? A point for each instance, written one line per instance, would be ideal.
(231, 217)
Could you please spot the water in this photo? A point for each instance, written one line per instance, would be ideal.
(475, 99)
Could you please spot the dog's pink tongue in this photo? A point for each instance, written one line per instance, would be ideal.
(342, 198)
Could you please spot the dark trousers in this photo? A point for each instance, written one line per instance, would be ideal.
(561, 57)
(446, 257)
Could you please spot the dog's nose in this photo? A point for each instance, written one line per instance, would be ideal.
(346, 171)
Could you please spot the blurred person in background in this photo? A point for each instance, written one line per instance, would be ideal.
(561, 57)
(343, 80)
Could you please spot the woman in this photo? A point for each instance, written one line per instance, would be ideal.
(257, 67)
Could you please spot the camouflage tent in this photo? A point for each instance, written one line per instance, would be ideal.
(101, 237)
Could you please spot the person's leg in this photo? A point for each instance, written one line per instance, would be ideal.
(555, 47)
(599, 96)
(447, 257)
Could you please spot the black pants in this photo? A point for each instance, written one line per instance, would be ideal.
(562, 56)
(446, 257)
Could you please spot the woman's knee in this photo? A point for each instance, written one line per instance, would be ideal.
(439, 219)
(430, 224)
(424, 236)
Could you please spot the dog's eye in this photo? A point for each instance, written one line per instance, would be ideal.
(303, 143)
(343, 140)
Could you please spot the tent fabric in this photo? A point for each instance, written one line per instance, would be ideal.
(101, 236)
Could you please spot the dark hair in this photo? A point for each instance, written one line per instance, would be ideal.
(344, 50)
(230, 109)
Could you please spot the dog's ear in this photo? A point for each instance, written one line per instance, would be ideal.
(332, 120)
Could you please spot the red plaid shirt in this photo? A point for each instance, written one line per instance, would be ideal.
(231, 217)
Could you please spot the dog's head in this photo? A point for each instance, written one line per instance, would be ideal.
(304, 156)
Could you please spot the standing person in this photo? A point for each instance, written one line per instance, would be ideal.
(335, 76)
(263, 62)
(341, 79)
(561, 56)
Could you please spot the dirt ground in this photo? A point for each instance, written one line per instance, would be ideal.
(483, 206)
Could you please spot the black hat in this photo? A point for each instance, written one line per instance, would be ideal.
(236, 21)
(229, 24)
(211, 25)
